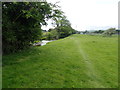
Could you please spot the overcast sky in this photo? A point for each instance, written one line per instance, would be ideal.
(90, 14)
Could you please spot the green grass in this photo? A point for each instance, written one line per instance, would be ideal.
(78, 61)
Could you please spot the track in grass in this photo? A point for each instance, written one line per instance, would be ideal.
(80, 61)
(91, 69)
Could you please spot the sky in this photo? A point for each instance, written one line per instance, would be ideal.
(89, 14)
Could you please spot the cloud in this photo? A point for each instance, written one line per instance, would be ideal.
(89, 14)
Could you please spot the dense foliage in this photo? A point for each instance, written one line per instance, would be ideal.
(52, 34)
(22, 23)
(65, 31)
(62, 29)
(110, 32)
(58, 32)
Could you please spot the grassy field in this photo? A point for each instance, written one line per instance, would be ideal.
(78, 61)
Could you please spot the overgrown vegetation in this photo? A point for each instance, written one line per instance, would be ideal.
(22, 23)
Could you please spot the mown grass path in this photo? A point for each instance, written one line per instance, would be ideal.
(89, 64)
(78, 61)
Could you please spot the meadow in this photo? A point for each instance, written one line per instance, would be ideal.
(78, 61)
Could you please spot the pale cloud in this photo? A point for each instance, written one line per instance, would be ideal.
(90, 14)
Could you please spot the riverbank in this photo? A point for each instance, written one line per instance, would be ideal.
(78, 61)
(42, 43)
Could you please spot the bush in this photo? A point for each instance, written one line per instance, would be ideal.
(22, 23)
(110, 32)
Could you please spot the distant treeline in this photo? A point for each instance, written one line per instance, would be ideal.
(108, 32)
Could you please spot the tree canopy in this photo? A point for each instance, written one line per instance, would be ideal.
(22, 23)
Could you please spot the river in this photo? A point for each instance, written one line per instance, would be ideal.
(44, 42)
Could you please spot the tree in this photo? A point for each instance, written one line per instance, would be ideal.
(110, 32)
(99, 31)
(54, 34)
(22, 23)
(65, 31)
(85, 32)
(63, 27)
